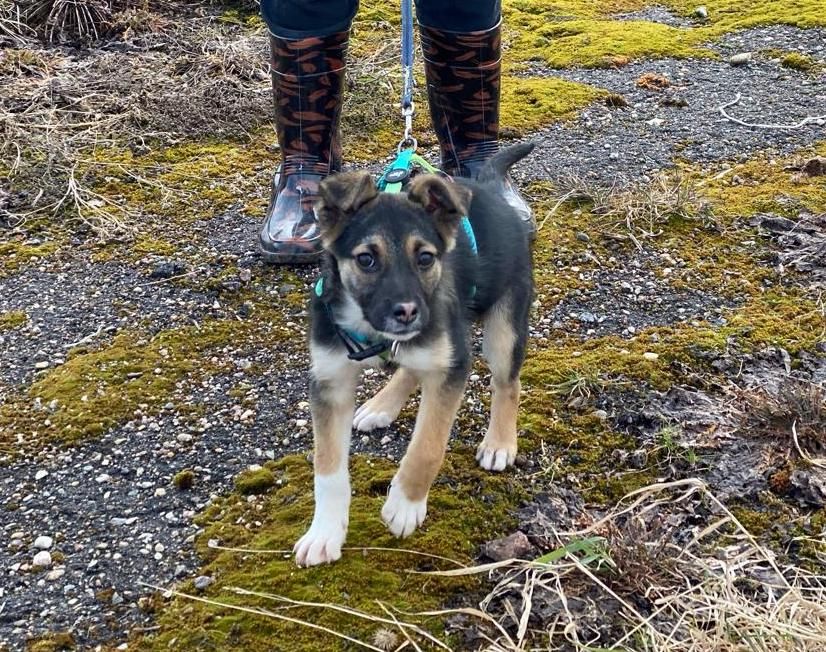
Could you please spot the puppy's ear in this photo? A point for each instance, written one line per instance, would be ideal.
(446, 202)
(340, 196)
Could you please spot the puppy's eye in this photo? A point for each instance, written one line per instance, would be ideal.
(425, 259)
(366, 261)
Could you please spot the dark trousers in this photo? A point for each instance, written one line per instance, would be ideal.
(303, 18)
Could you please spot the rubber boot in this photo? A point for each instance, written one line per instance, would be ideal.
(463, 71)
(307, 80)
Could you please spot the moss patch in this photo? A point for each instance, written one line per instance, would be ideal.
(96, 390)
(52, 642)
(567, 33)
(12, 319)
(254, 481)
(14, 255)
(466, 507)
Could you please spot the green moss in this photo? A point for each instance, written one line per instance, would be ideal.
(763, 185)
(184, 480)
(147, 245)
(96, 390)
(531, 103)
(466, 507)
(797, 61)
(12, 319)
(14, 255)
(51, 642)
(254, 481)
(571, 32)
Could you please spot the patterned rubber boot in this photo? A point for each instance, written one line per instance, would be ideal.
(307, 81)
(463, 71)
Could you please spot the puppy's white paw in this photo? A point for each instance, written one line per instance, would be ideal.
(370, 416)
(402, 515)
(493, 458)
(321, 544)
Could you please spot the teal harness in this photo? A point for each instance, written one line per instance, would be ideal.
(360, 347)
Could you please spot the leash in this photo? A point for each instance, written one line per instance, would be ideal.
(408, 109)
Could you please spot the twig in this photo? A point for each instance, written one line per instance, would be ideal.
(758, 125)
(556, 206)
(86, 339)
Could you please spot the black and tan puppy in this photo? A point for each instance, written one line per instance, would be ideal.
(401, 268)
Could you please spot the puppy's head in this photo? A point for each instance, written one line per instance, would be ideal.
(390, 248)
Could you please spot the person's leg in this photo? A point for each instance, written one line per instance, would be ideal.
(308, 40)
(462, 52)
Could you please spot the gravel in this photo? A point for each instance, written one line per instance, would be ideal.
(609, 144)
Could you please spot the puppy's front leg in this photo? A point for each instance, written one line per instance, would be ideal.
(406, 504)
(332, 391)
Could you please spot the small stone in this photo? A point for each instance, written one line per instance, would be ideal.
(42, 473)
(245, 275)
(184, 438)
(247, 414)
(650, 356)
(385, 440)
(117, 598)
(301, 423)
(42, 559)
(740, 59)
(513, 546)
(103, 477)
(602, 415)
(701, 12)
(168, 269)
(655, 122)
(55, 574)
(43, 542)
(43, 364)
(202, 582)
(583, 237)
(588, 318)
(160, 492)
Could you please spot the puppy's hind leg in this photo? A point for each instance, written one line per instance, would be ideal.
(332, 390)
(382, 410)
(505, 335)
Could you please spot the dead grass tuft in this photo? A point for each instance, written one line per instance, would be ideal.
(636, 210)
(651, 81)
(670, 569)
(797, 408)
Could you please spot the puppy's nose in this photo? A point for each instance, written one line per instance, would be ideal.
(405, 313)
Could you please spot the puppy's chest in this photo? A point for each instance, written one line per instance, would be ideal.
(433, 356)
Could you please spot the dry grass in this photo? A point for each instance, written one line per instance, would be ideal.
(636, 210)
(795, 412)
(198, 78)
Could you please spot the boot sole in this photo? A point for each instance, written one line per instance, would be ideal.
(289, 259)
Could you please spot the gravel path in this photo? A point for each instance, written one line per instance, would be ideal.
(683, 122)
(108, 506)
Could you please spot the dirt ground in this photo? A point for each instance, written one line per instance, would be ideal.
(155, 437)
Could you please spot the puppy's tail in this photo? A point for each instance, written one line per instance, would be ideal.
(499, 164)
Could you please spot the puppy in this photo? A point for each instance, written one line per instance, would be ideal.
(404, 277)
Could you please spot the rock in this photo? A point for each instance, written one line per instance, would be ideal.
(119, 520)
(301, 423)
(701, 12)
(588, 318)
(42, 559)
(168, 269)
(815, 167)
(740, 59)
(202, 582)
(513, 546)
(184, 438)
(245, 275)
(651, 356)
(809, 486)
(42, 473)
(385, 440)
(55, 574)
(583, 237)
(43, 364)
(43, 542)
(117, 598)
(602, 415)
(103, 477)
